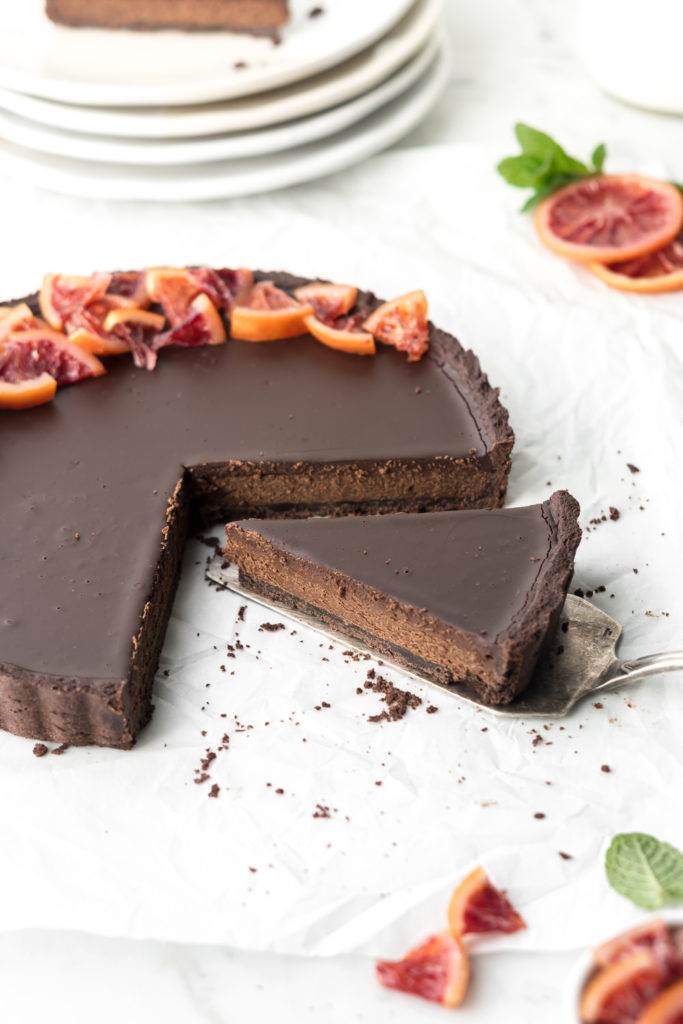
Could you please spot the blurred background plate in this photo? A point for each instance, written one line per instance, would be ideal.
(225, 179)
(164, 153)
(335, 86)
(100, 67)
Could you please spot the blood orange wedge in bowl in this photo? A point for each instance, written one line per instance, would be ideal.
(657, 271)
(609, 219)
(635, 977)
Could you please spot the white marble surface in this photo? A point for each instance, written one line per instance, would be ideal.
(514, 59)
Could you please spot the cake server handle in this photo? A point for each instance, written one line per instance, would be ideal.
(637, 668)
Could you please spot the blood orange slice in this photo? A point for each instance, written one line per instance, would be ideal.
(653, 936)
(62, 296)
(617, 994)
(344, 334)
(329, 301)
(130, 287)
(658, 271)
(173, 288)
(667, 1008)
(477, 906)
(269, 314)
(24, 394)
(17, 318)
(32, 358)
(226, 288)
(403, 324)
(437, 970)
(606, 219)
(201, 326)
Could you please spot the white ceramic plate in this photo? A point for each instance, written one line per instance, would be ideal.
(226, 147)
(117, 68)
(224, 179)
(328, 89)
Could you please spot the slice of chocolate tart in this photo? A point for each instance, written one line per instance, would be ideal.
(259, 17)
(467, 596)
(100, 487)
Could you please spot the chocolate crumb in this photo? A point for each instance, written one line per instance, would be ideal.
(539, 814)
(271, 627)
(605, 768)
(62, 749)
(634, 469)
(40, 750)
(432, 709)
(240, 613)
(315, 12)
(321, 811)
(279, 792)
(215, 790)
(614, 513)
(565, 856)
(579, 592)
(598, 705)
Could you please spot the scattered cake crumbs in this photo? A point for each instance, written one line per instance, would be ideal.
(321, 811)
(39, 750)
(398, 702)
(271, 627)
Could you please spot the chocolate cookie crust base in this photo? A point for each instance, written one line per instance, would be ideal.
(259, 17)
(460, 597)
(284, 429)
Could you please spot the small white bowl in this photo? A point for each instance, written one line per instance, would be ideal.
(584, 965)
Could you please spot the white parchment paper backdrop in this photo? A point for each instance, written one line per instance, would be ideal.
(126, 844)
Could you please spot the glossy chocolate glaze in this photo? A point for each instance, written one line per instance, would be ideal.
(473, 570)
(86, 480)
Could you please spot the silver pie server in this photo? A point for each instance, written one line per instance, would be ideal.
(581, 662)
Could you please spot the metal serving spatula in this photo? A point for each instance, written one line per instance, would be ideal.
(585, 665)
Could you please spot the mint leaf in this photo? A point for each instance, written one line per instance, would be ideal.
(543, 165)
(645, 870)
(598, 157)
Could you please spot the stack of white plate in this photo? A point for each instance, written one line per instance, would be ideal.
(185, 116)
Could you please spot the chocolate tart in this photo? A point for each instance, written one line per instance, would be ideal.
(101, 486)
(259, 17)
(460, 597)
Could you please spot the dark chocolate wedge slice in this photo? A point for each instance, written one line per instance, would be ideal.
(467, 596)
(98, 489)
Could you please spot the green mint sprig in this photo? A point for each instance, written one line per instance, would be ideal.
(645, 870)
(544, 166)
